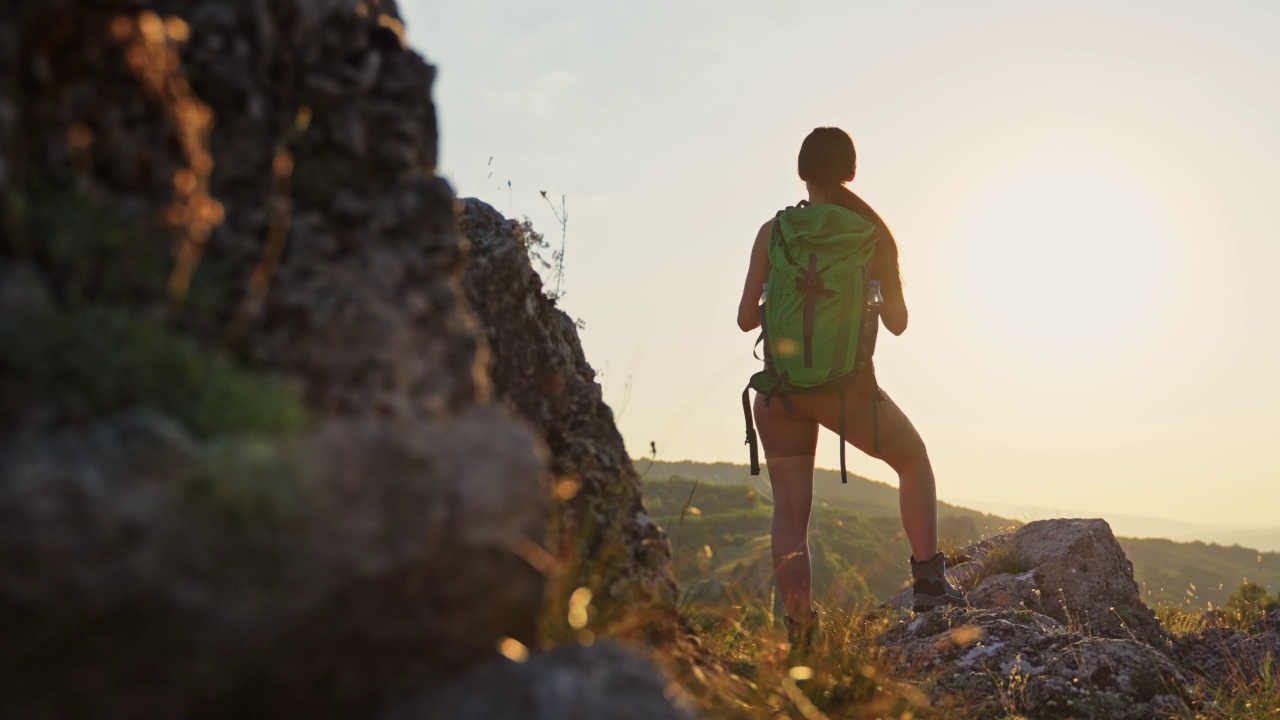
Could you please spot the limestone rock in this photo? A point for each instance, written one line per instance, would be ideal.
(1085, 580)
(538, 368)
(979, 641)
(1099, 677)
(1057, 630)
(1007, 590)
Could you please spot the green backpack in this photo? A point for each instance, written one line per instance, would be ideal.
(817, 329)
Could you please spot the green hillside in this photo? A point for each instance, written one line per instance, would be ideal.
(865, 497)
(718, 517)
(1196, 573)
(720, 539)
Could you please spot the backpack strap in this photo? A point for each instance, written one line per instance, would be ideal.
(812, 281)
(809, 283)
(751, 430)
(845, 320)
(844, 473)
(764, 338)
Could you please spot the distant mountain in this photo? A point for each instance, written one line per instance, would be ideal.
(1262, 538)
(1195, 574)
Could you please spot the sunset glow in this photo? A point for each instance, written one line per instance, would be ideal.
(1083, 196)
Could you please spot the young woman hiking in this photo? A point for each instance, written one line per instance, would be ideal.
(788, 423)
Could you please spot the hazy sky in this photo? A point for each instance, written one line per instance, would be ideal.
(1084, 194)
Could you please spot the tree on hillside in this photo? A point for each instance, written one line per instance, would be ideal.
(1250, 601)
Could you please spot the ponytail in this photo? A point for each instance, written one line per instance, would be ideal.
(884, 267)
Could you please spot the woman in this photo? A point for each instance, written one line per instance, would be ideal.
(789, 431)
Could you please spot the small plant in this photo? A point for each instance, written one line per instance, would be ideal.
(1000, 559)
(562, 216)
(1180, 622)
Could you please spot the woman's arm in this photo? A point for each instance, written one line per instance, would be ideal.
(757, 273)
(894, 311)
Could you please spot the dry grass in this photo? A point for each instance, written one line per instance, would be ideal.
(846, 674)
(1244, 696)
(999, 559)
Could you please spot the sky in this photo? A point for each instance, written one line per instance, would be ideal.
(1083, 194)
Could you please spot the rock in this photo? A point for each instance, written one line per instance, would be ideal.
(1085, 580)
(978, 659)
(145, 574)
(601, 681)
(283, 153)
(538, 368)
(979, 641)
(1002, 662)
(1056, 629)
(1220, 654)
(1100, 677)
(22, 291)
(1007, 591)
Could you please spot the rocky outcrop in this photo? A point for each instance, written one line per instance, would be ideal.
(1071, 570)
(1085, 580)
(606, 539)
(1057, 630)
(1001, 663)
(249, 462)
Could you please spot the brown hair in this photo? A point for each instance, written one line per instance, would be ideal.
(827, 157)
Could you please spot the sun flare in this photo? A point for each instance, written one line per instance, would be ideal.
(1066, 261)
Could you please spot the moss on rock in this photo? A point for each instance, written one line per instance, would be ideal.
(95, 360)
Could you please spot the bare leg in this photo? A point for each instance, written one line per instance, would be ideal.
(792, 481)
(904, 451)
(918, 501)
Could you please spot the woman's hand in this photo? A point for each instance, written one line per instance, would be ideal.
(757, 273)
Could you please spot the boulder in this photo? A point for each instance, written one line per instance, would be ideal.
(1056, 629)
(1085, 579)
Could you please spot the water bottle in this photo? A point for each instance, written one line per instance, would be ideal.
(870, 326)
(874, 298)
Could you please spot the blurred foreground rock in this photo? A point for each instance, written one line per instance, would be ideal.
(145, 574)
(601, 681)
(250, 465)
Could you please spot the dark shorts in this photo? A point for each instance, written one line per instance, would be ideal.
(795, 433)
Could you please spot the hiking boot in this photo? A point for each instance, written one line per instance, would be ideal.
(931, 589)
(802, 634)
